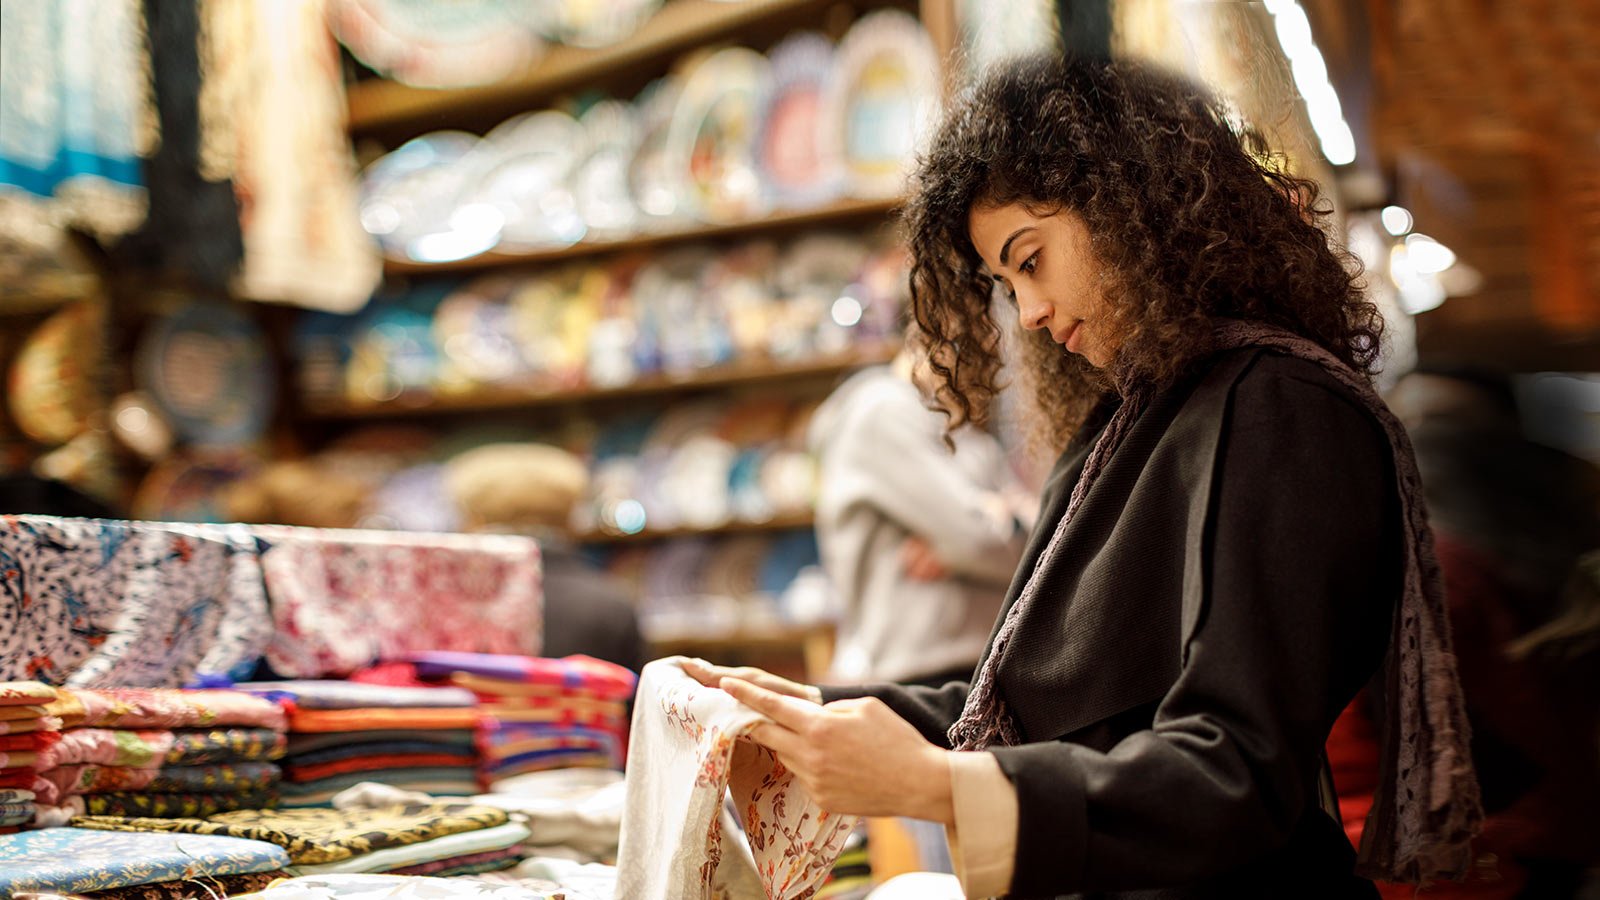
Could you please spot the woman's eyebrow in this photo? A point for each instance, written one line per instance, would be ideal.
(1005, 249)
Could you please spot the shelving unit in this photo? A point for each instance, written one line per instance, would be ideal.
(766, 526)
(844, 212)
(736, 374)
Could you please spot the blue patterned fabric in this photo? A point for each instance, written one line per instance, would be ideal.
(91, 603)
(78, 859)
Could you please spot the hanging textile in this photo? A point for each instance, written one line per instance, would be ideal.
(272, 118)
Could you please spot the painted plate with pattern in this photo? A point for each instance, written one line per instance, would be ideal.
(882, 100)
(711, 143)
(522, 171)
(409, 201)
(600, 183)
(51, 387)
(209, 370)
(799, 168)
(430, 44)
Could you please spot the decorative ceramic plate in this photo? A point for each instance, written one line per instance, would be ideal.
(409, 201)
(600, 183)
(209, 371)
(652, 183)
(711, 143)
(799, 168)
(431, 44)
(51, 389)
(881, 101)
(522, 171)
(593, 23)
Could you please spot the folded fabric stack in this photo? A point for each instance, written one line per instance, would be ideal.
(30, 723)
(342, 733)
(443, 838)
(540, 714)
(160, 753)
(126, 865)
(573, 814)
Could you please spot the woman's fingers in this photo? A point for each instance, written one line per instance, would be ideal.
(790, 712)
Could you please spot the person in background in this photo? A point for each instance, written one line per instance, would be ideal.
(919, 538)
(1511, 520)
(531, 489)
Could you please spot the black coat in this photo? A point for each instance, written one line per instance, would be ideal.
(1227, 587)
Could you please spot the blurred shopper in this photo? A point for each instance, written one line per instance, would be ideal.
(919, 539)
(1511, 521)
(531, 489)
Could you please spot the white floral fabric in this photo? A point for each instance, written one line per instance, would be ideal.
(684, 757)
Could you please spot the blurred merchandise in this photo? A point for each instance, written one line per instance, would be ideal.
(193, 486)
(608, 323)
(51, 389)
(729, 135)
(429, 44)
(208, 370)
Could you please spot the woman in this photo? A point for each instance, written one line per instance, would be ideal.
(1229, 538)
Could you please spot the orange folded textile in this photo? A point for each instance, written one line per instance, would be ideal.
(25, 693)
(372, 719)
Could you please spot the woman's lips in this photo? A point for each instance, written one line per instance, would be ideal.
(1073, 338)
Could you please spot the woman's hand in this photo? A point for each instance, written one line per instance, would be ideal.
(711, 676)
(854, 757)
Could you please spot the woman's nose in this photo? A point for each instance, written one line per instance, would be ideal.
(1032, 313)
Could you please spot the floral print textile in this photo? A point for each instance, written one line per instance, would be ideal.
(130, 708)
(343, 599)
(239, 778)
(75, 859)
(25, 693)
(324, 835)
(225, 745)
(189, 889)
(87, 602)
(685, 756)
(172, 806)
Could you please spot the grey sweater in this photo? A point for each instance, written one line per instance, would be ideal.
(886, 474)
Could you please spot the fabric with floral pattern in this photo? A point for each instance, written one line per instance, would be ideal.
(133, 708)
(225, 745)
(192, 888)
(140, 804)
(107, 747)
(324, 835)
(25, 693)
(76, 859)
(343, 599)
(87, 602)
(685, 755)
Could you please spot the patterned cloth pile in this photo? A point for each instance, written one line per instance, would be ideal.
(77, 860)
(540, 714)
(30, 724)
(440, 838)
(343, 733)
(158, 753)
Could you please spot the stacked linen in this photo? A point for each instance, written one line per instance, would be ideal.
(342, 733)
(30, 723)
(161, 753)
(441, 838)
(540, 714)
(60, 860)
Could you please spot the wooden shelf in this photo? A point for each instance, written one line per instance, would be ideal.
(680, 26)
(778, 523)
(735, 374)
(840, 213)
(813, 642)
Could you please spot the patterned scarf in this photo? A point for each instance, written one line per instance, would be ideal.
(1427, 807)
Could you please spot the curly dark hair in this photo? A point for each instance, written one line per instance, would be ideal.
(1191, 218)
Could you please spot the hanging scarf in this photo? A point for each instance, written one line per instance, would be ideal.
(1427, 807)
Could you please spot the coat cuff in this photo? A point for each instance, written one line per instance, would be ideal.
(983, 841)
(1052, 817)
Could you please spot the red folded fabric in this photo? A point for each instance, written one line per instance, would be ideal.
(318, 771)
(33, 740)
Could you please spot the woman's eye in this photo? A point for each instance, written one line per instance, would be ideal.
(1030, 264)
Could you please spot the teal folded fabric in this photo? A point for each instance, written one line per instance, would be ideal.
(81, 860)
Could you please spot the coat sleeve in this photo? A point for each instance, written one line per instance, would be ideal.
(895, 462)
(930, 710)
(1303, 561)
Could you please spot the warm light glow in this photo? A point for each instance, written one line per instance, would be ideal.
(1311, 79)
(847, 311)
(1427, 255)
(1396, 220)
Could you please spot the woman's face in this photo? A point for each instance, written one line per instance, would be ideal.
(1046, 265)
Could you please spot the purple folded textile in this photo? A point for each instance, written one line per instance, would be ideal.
(356, 695)
(443, 663)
